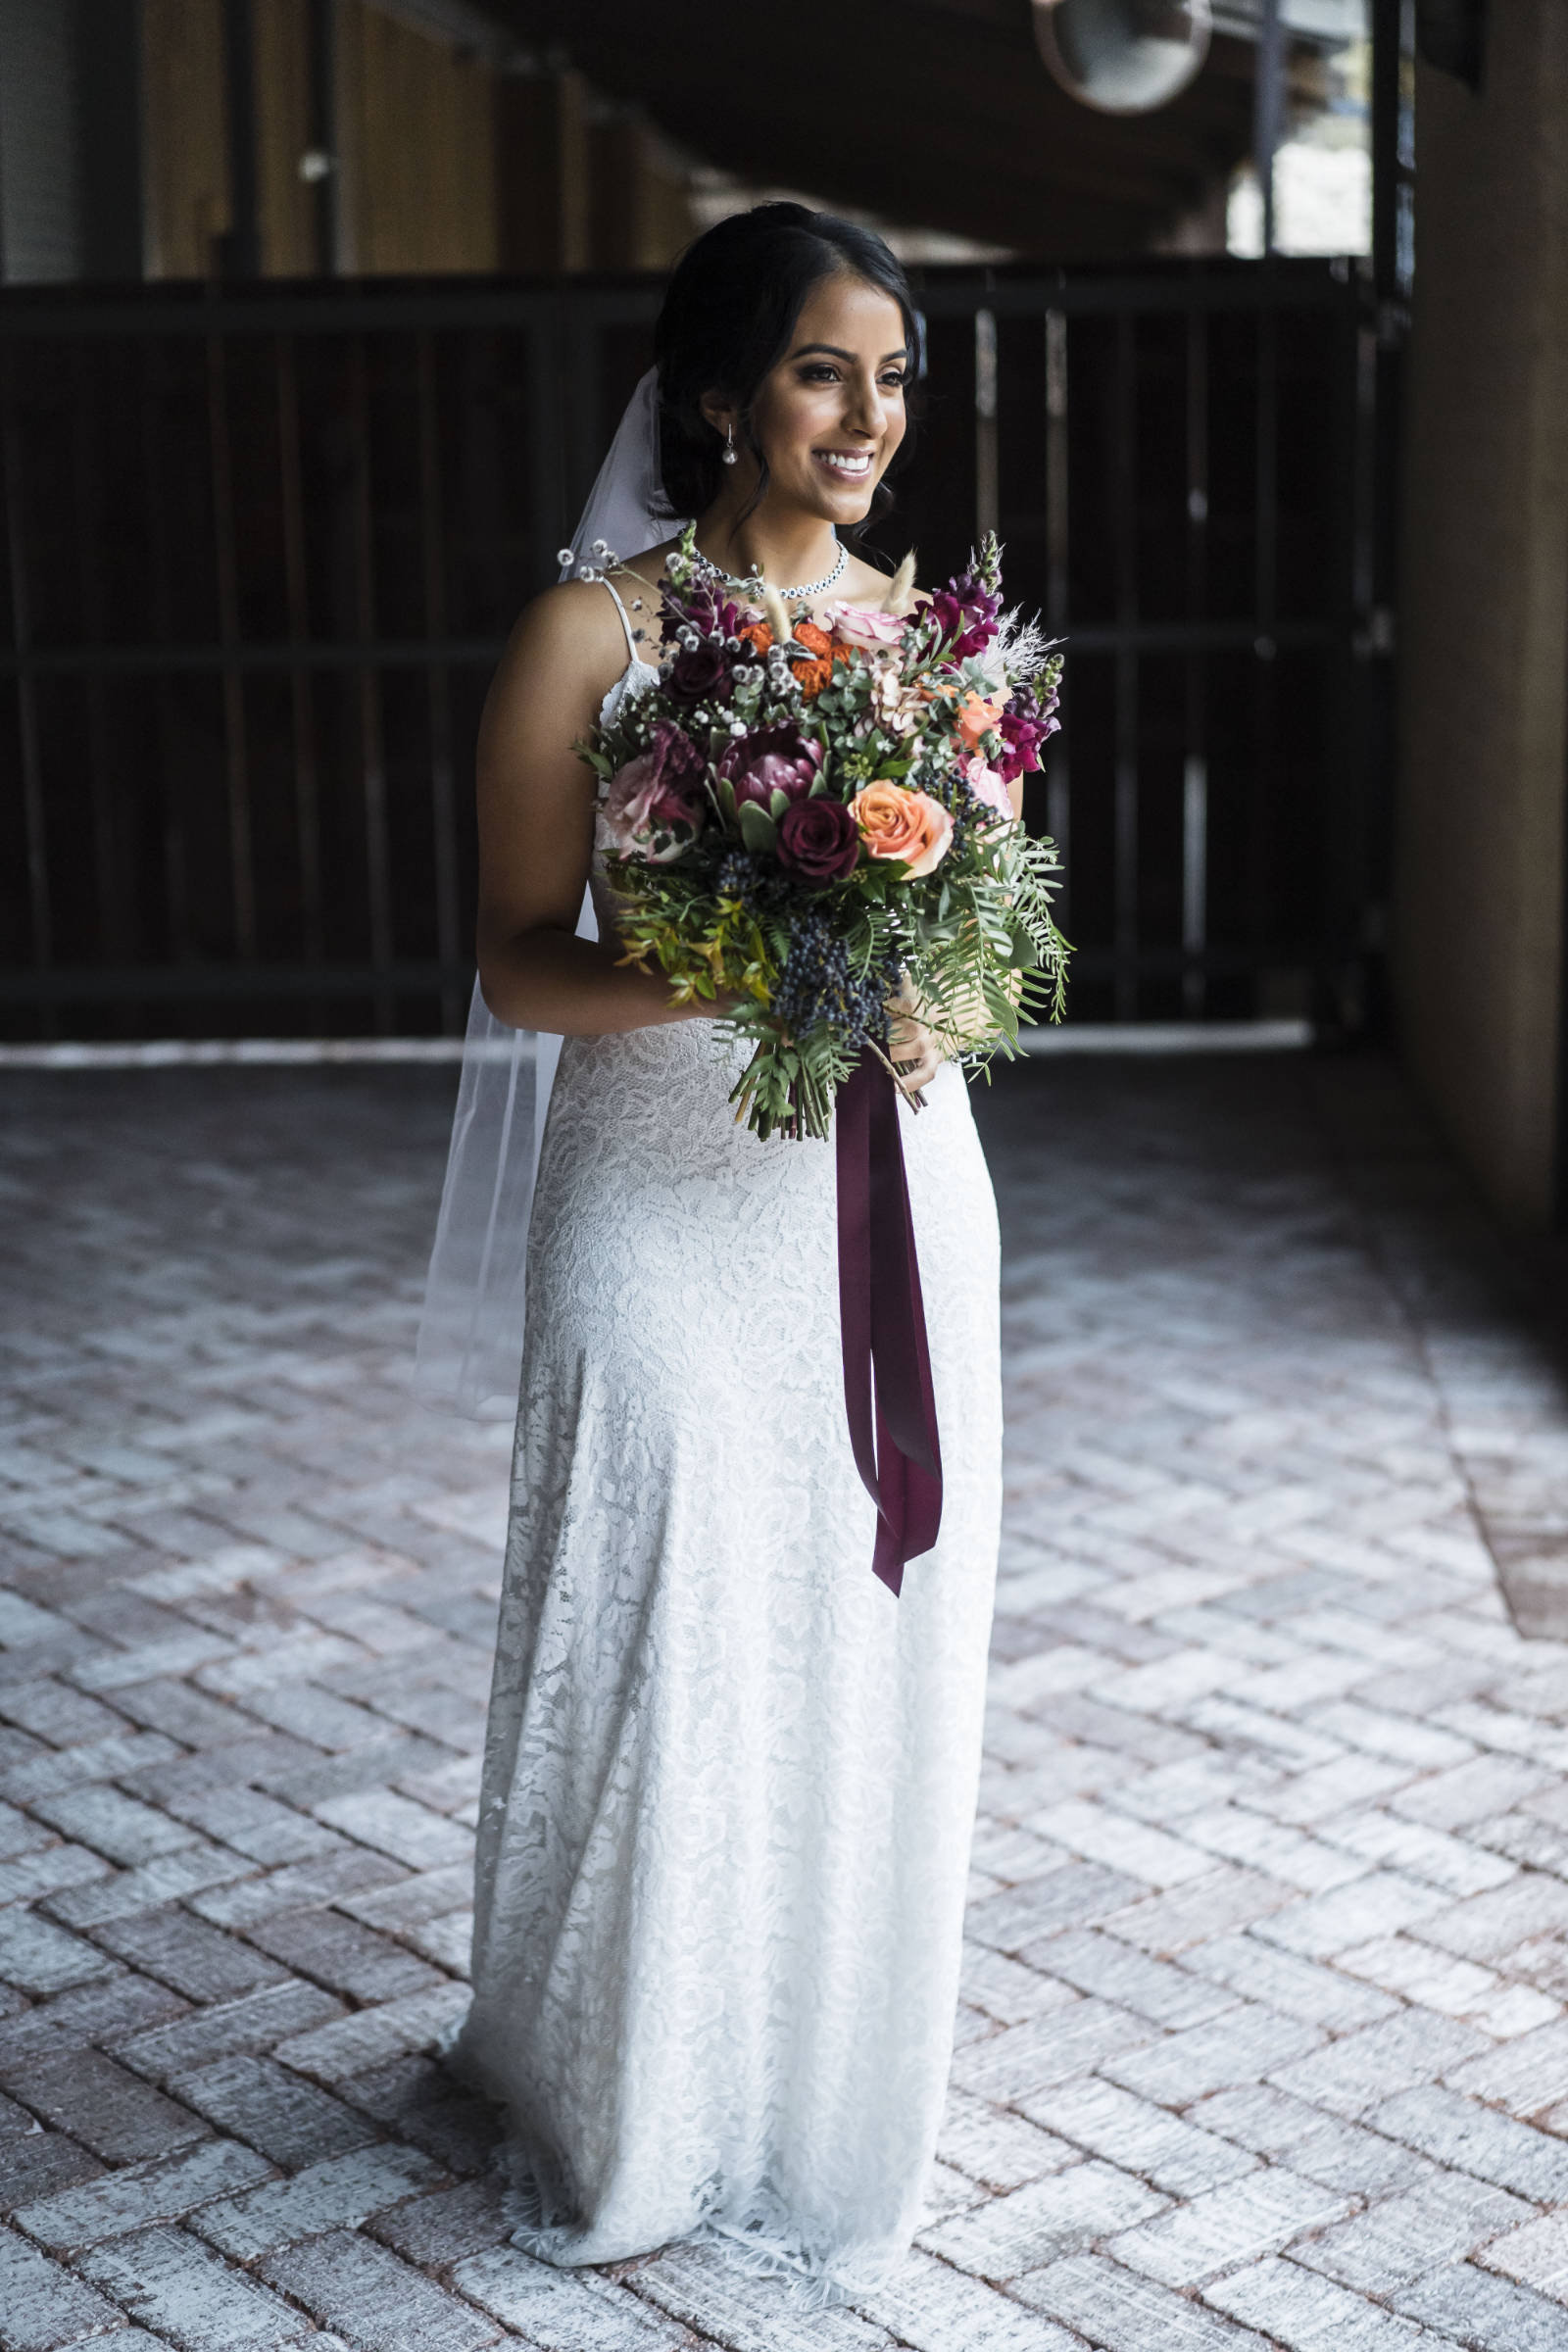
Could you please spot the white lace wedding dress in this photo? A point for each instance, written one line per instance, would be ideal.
(729, 1780)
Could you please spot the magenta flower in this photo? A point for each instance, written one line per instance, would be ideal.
(1024, 728)
(965, 614)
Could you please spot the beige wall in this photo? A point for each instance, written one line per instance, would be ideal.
(1479, 841)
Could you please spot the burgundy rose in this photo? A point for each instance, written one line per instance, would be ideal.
(699, 671)
(818, 840)
(770, 759)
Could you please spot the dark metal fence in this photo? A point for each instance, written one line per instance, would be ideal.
(262, 551)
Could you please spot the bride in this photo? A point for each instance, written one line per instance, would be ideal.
(729, 1780)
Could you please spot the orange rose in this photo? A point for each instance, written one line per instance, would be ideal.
(896, 822)
(812, 676)
(757, 634)
(976, 716)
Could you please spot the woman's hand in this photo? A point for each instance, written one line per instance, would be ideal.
(912, 1049)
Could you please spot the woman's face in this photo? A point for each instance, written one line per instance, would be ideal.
(830, 416)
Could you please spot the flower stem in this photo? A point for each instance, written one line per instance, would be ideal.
(914, 1100)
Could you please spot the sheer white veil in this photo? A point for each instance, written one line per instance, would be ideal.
(469, 1351)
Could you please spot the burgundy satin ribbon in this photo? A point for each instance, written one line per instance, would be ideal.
(882, 1318)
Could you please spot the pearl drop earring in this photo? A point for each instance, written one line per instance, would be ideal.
(729, 445)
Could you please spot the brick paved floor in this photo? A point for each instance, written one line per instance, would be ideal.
(1263, 2039)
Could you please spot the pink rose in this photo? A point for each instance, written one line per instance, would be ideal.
(986, 785)
(653, 805)
(863, 625)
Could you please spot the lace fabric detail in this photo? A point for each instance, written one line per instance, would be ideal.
(730, 1782)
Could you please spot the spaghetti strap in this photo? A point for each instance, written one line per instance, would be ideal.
(625, 621)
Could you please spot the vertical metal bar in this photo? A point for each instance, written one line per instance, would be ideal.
(1125, 511)
(547, 438)
(1195, 764)
(177, 863)
(307, 793)
(372, 752)
(242, 246)
(225, 551)
(1393, 24)
(1195, 880)
(1059, 775)
(1392, 277)
(39, 903)
(1350, 790)
(442, 790)
(108, 871)
(1265, 545)
(985, 423)
(572, 403)
(1268, 109)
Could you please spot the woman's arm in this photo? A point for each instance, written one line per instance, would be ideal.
(537, 829)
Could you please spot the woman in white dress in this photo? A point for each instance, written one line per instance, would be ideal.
(729, 1780)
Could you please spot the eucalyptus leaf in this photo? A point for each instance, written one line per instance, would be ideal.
(757, 829)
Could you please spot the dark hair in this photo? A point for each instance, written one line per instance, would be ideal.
(728, 313)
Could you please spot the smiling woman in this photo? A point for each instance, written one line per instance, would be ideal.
(763, 313)
(730, 1782)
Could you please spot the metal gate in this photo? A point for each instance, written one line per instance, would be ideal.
(263, 549)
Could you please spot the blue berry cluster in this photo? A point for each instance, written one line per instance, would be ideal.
(819, 987)
(738, 876)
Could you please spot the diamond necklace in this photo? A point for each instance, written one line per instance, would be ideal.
(754, 579)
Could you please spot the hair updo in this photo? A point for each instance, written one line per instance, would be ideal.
(728, 315)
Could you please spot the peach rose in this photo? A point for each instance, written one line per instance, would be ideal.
(896, 822)
(976, 716)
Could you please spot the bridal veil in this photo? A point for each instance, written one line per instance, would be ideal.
(469, 1351)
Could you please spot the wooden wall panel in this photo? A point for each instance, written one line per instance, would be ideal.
(542, 173)
(288, 202)
(417, 137)
(640, 209)
(187, 143)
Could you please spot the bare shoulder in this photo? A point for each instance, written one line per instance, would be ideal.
(572, 635)
(639, 582)
(869, 584)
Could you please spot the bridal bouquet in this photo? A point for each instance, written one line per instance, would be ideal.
(810, 821)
